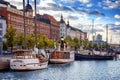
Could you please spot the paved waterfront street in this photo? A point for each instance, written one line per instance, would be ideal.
(78, 70)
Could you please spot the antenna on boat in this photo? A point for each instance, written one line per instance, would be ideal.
(24, 24)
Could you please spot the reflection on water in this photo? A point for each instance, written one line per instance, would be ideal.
(78, 70)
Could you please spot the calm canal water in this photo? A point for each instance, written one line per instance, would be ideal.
(78, 70)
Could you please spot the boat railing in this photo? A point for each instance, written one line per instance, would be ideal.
(24, 54)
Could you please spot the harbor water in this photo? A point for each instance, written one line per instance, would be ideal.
(78, 70)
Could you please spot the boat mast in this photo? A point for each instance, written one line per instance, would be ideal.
(24, 24)
(80, 41)
(106, 36)
(35, 23)
(92, 32)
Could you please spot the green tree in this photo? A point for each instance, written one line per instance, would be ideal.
(90, 44)
(42, 41)
(5, 46)
(70, 41)
(86, 43)
(10, 35)
(19, 39)
(30, 41)
(76, 42)
(50, 43)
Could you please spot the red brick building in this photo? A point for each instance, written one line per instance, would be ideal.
(46, 24)
(50, 23)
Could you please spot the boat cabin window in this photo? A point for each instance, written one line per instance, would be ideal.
(23, 55)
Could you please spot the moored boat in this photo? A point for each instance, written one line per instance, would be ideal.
(63, 54)
(62, 57)
(94, 55)
(28, 60)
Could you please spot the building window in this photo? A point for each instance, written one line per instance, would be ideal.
(0, 32)
(0, 25)
(0, 39)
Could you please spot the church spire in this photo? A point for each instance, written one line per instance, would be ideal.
(68, 22)
(61, 16)
(27, 1)
(61, 20)
(68, 25)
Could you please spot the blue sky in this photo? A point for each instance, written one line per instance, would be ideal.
(81, 12)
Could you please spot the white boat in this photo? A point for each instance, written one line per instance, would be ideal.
(62, 55)
(28, 60)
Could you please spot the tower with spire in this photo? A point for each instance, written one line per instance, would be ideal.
(68, 25)
(63, 28)
(28, 9)
(68, 28)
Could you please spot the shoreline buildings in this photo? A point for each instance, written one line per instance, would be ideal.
(46, 24)
(68, 30)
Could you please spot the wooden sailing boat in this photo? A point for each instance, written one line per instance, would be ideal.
(93, 54)
(29, 59)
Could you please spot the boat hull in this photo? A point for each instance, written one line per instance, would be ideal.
(61, 57)
(30, 64)
(61, 61)
(92, 57)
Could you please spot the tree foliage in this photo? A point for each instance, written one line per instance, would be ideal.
(19, 39)
(10, 35)
(30, 41)
(44, 42)
(70, 41)
(76, 42)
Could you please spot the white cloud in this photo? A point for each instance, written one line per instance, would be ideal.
(17, 3)
(117, 16)
(73, 1)
(44, 3)
(108, 4)
(98, 18)
(85, 1)
(89, 5)
(68, 1)
(115, 36)
(117, 23)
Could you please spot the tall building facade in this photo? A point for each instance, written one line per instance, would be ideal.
(14, 17)
(50, 23)
(63, 28)
(2, 32)
(67, 30)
